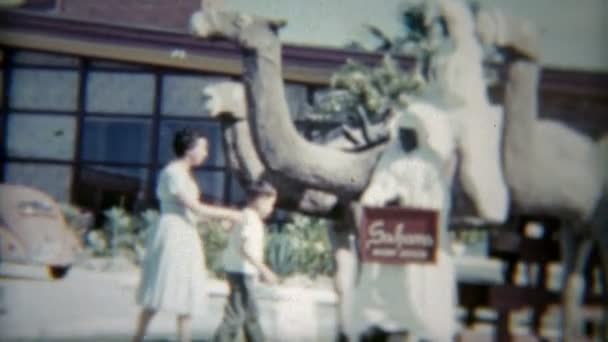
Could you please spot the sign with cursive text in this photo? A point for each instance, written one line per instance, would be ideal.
(397, 235)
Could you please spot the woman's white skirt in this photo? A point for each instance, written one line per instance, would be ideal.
(174, 273)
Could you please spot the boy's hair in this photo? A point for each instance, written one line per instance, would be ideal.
(260, 189)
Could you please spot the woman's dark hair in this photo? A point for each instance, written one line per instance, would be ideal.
(184, 140)
(260, 189)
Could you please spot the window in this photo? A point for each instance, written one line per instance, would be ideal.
(116, 140)
(182, 95)
(2, 87)
(120, 93)
(237, 193)
(44, 89)
(53, 179)
(136, 176)
(297, 100)
(39, 144)
(103, 187)
(211, 184)
(41, 136)
(93, 132)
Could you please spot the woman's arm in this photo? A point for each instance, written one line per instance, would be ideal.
(220, 212)
(211, 211)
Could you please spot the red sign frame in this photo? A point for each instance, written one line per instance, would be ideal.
(398, 235)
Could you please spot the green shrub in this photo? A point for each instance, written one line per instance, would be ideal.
(126, 233)
(215, 238)
(280, 254)
(302, 247)
(357, 88)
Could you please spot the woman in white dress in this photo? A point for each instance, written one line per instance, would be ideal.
(173, 277)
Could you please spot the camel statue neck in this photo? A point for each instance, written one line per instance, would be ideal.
(521, 101)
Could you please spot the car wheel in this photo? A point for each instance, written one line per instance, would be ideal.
(58, 272)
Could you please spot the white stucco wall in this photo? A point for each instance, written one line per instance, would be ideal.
(573, 30)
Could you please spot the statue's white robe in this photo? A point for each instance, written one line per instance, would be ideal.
(418, 298)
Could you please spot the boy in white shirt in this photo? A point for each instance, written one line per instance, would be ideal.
(243, 262)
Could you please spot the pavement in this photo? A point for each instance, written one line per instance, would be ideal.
(96, 302)
(100, 305)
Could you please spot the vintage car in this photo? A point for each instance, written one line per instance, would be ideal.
(33, 234)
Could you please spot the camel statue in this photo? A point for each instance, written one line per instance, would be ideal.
(325, 179)
(415, 177)
(550, 168)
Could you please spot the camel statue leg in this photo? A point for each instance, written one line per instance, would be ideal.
(600, 232)
(575, 253)
(604, 259)
(603, 249)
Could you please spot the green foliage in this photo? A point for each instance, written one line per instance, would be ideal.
(76, 219)
(423, 32)
(72, 214)
(96, 243)
(374, 90)
(302, 247)
(414, 21)
(470, 236)
(359, 89)
(123, 234)
(215, 238)
(425, 36)
(126, 233)
(280, 254)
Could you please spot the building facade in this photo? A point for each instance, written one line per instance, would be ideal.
(92, 93)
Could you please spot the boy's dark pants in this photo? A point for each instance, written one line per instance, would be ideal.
(241, 311)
